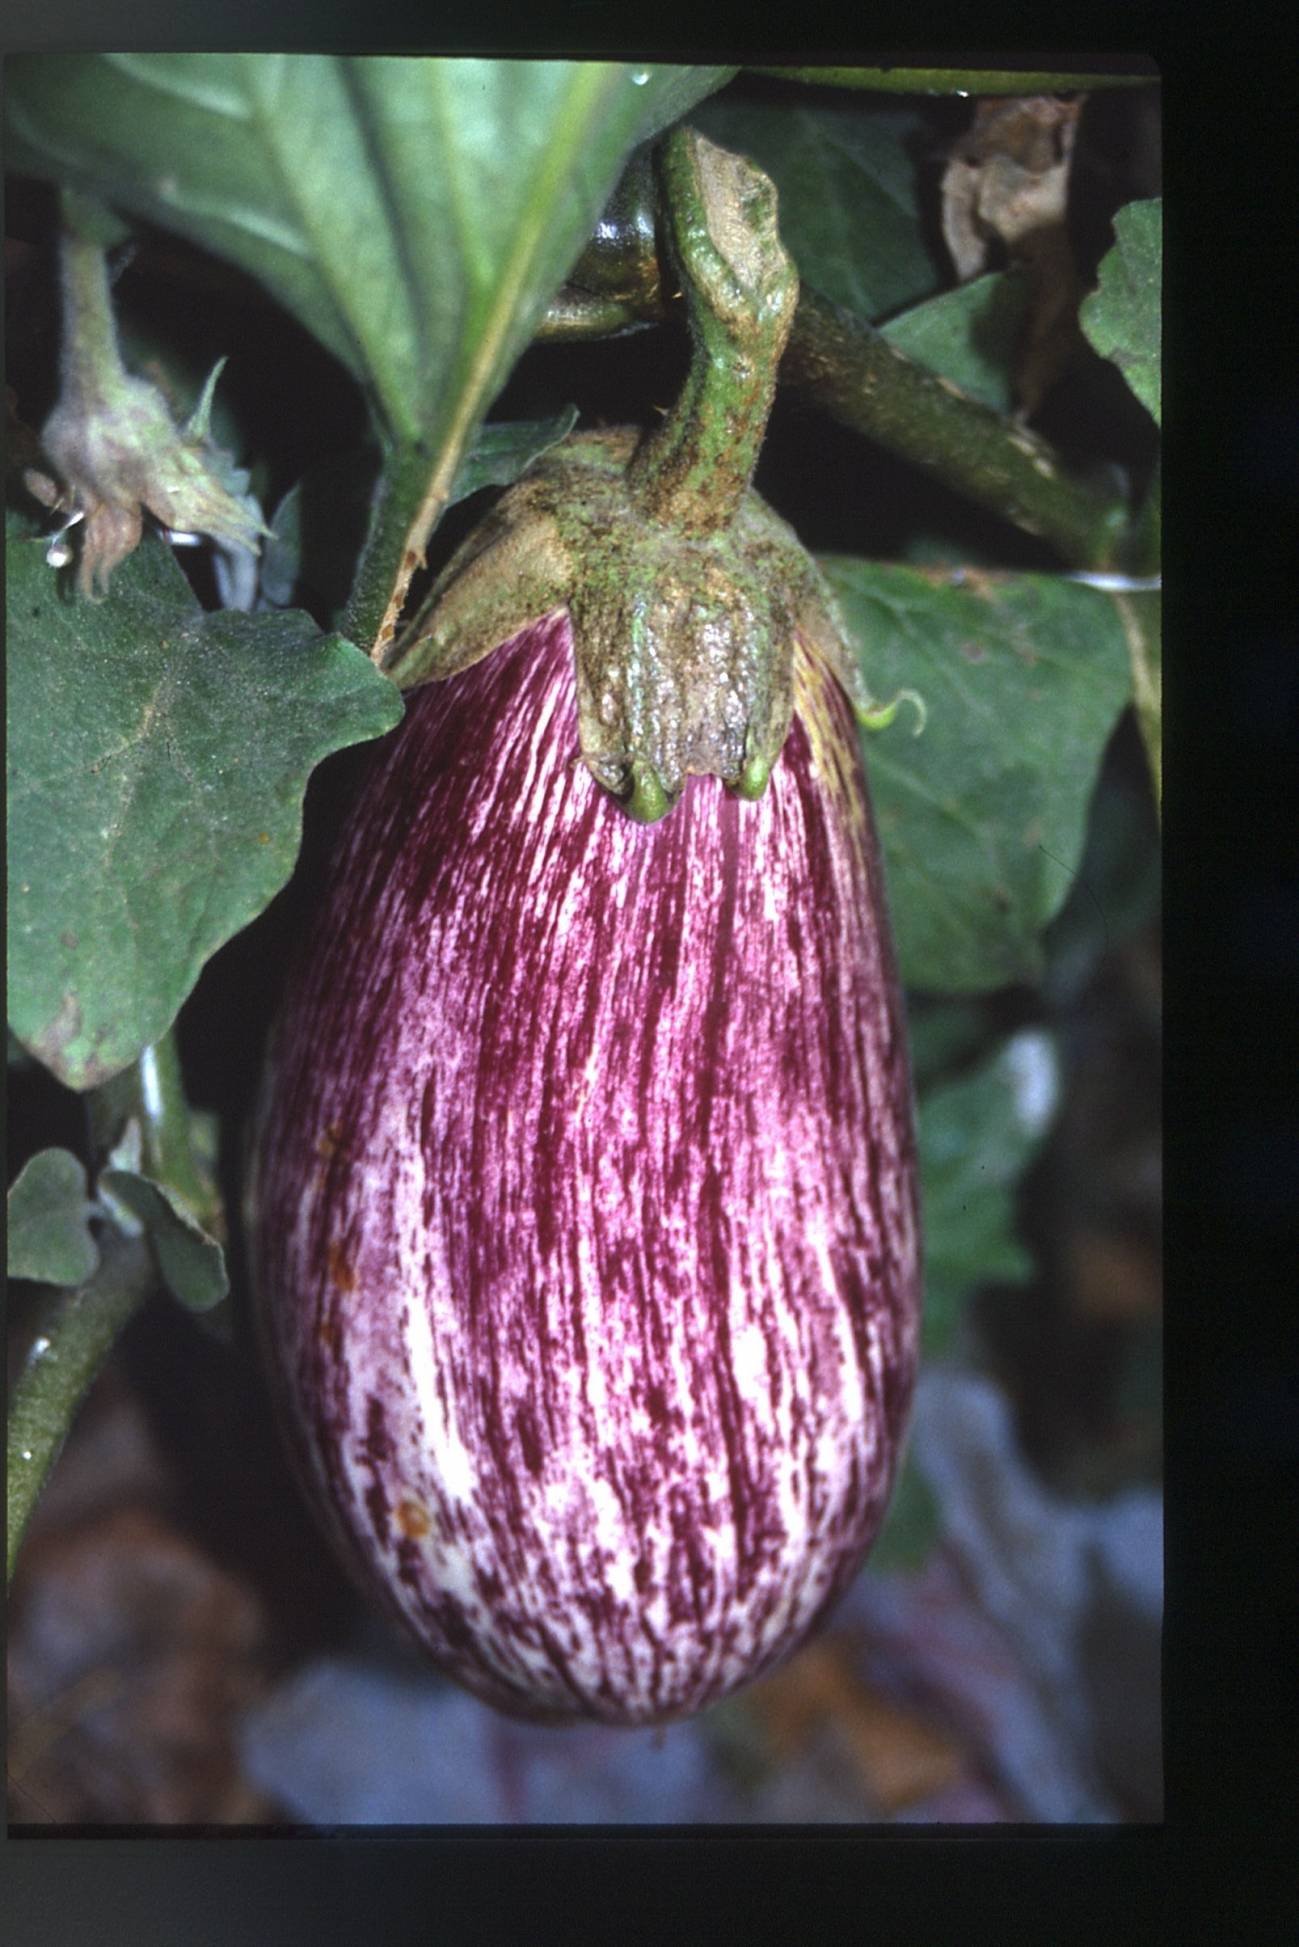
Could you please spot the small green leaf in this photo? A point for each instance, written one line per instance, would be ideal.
(1122, 316)
(192, 1263)
(49, 1236)
(501, 452)
(157, 761)
(849, 213)
(976, 1137)
(982, 818)
(969, 335)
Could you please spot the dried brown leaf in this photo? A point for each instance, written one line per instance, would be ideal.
(1007, 184)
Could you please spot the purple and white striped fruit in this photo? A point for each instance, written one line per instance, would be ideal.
(585, 1216)
(585, 1205)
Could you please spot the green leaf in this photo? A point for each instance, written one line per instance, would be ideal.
(975, 1138)
(849, 210)
(415, 214)
(969, 335)
(191, 1263)
(982, 818)
(1122, 316)
(49, 1236)
(501, 452)
(157, 759)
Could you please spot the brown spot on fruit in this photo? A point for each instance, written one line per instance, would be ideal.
(413, 1518)
(341, 1268)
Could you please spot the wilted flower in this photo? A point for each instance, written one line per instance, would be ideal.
(117, 449)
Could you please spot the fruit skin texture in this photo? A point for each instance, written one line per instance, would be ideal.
(584, 1202)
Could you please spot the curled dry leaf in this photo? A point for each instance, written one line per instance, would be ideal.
(1008, 176)
(1007, 183)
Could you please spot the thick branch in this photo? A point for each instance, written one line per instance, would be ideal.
(851, 371)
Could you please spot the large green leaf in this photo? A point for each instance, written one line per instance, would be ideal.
(416, 214)
(848, 187)
(157, 761)
(49, 1207)
(982, 817)
(1122, 316)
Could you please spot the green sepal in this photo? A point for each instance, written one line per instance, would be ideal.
(647, 801)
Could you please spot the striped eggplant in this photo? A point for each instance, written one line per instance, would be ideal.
(584, 1209)
(584, 1202)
